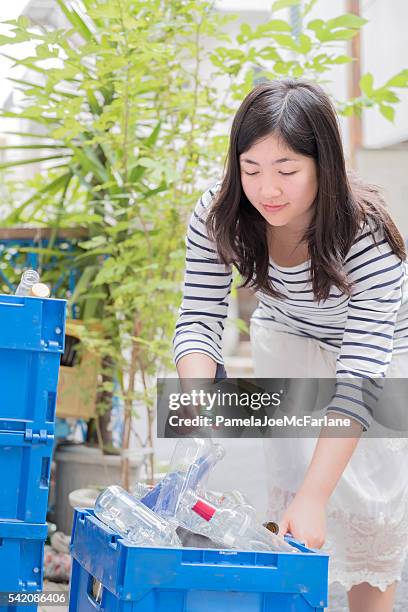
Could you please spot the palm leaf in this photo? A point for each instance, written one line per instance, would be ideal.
(83, 283)
(33, 160)
(26, 115)
(31, 146)
(52, 188)
(40, 88)
(29, 135)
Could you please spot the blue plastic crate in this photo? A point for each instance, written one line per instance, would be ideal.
(18, 608)
(25, 465)
(31, 344)
(21, 557)
(110, 575)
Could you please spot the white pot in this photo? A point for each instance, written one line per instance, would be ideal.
(83, 498)
(82, 467)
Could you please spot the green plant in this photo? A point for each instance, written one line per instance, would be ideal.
(127, 122)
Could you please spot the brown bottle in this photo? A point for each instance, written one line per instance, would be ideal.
(272, 526)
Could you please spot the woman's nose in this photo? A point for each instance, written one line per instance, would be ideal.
(270, 191)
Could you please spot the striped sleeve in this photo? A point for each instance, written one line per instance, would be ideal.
(207, 285)
(366, 350)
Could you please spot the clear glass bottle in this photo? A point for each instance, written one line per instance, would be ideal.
(133, 520)
(191, 463)
(230, 499)
(231, 527)
(28, 279)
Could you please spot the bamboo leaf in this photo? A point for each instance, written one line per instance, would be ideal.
(399, 80)
(348, 20)
(274, 25)
(308, 7)
(342, 59)
(75, 19)
(388, 112)
(91, 163)
(367, 84)
(152, 139)
(282, 4)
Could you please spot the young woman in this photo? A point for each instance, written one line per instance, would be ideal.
(328, 267)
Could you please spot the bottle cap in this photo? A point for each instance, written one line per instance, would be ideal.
(272, 526)
(219, 451)
(203, 509)
(30, 277)
(40, 290)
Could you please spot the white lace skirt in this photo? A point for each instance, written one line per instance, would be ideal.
(367, 516)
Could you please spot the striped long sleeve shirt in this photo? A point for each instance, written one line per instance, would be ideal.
(364, 329)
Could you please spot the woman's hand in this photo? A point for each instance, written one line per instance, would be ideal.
(305, 519)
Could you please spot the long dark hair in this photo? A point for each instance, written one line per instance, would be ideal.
(300, 113)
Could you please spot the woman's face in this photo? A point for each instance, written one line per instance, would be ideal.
(281, 184)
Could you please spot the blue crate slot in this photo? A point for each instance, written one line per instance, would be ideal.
(21, 557)
(25, 464)
(31, 344)
(109, 574)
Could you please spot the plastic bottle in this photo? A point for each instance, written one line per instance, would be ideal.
(133, 520)
(140, 490)
(232, 527)
(191, 463)
(28, 279)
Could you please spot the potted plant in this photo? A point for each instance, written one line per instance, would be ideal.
(128, 122)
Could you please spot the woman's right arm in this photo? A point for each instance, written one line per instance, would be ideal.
(196, 365)
(207, 285)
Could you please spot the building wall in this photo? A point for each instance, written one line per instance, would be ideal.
(387, 168)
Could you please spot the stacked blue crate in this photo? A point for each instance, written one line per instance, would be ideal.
(31, 344)
(110, 574)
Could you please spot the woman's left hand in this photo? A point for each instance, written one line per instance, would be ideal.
(305, 519)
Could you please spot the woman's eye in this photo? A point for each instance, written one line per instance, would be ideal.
(251, 173)
(288, 173)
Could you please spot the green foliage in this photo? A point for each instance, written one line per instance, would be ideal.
(124, 127)
(126, 124)
(383, 97)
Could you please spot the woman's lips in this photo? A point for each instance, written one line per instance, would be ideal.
(273, 208)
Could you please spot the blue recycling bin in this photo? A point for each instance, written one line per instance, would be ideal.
(31, 343)
(112, 575)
